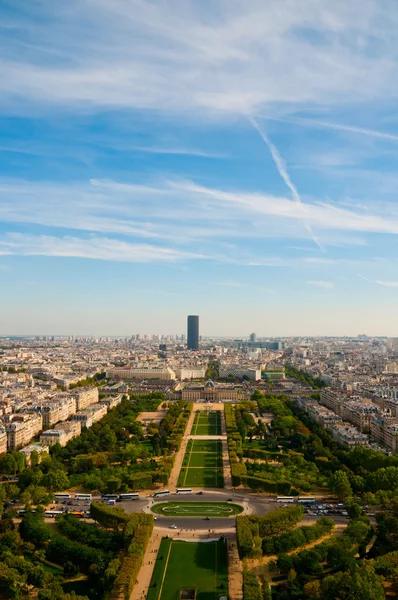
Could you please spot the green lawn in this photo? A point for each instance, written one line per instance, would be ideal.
(197, 509)
(47, 566)
(198, 477)
(202, 465)
(207, 423)
(205, 569)
(206, 446)
(204, 459)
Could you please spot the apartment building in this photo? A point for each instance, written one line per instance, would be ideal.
(131, 373)
(190, 372)
(226, 370)
(359, 413)
(58, 411)
(332, 400)
(384, 430)
(349, 436)
(22, 429)
(112, 401)
(84, 397)
(90, 415)
(3, 440)
(61, 434)
(27, 451)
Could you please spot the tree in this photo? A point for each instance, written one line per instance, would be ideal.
(55, 481)
(32, 528)
(70, 570)
(340, 484)
(34, 458)
(354, 510)
(12, 491)
(361, 583)
(284, 562)
(313, 589)
(7, 464)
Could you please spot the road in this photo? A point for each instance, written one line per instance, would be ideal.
(253, 503)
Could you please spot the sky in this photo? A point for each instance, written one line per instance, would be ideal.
(235, 159)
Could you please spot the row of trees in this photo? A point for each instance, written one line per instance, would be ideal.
(300, 536)
(315, 382)
(252, 530)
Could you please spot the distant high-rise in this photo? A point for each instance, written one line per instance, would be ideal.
(253, 337)
(193, 332)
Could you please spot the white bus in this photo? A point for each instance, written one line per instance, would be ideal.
(52, 513)
(110, 497)
(83, 497)
(129, 496)
(306, 500)
(161, 493)
(62, 496)
(285, 499)
(184, 491)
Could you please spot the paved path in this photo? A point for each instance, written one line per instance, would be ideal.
(225, 455)
(234, 569)
(206, 437)
(145, 573)
(179, 457)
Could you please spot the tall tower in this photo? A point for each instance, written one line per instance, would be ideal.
(193, 332)
(253, 337)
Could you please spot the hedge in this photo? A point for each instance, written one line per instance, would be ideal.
(235, 450)
(61, 550)
(273, 487)
(256, 453)
(251, 587)
(244, 537)
(79, 531)
(251, 530)
(137, 534)
(300, 536)
(109, 517)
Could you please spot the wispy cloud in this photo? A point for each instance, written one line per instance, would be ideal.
(233, 284)
(180, 212)
(228, 57)
(99, 248)
(326, 285)
(178, 151)
(388, 284)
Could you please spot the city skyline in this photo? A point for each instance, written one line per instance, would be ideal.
(234, 161)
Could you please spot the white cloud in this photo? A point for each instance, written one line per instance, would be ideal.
(99, 248)
(392, 284)
(177, 151)
(231, 56)
(326, 285)
(184, 213)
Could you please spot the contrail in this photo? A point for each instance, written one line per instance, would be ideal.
(390, 284)
(281, 168)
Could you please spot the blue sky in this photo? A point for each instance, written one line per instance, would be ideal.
(232, 159)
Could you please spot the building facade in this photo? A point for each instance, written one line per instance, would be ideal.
(193, 332)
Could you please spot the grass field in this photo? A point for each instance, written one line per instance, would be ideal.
(197, 509)
(201, 459)
(207, 423)
(205, 570)
(202, 464)
(197, 477)
(205, 445)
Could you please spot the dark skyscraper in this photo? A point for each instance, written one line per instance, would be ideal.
(193, 332)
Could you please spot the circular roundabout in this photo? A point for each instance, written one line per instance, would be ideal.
(196, 509)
